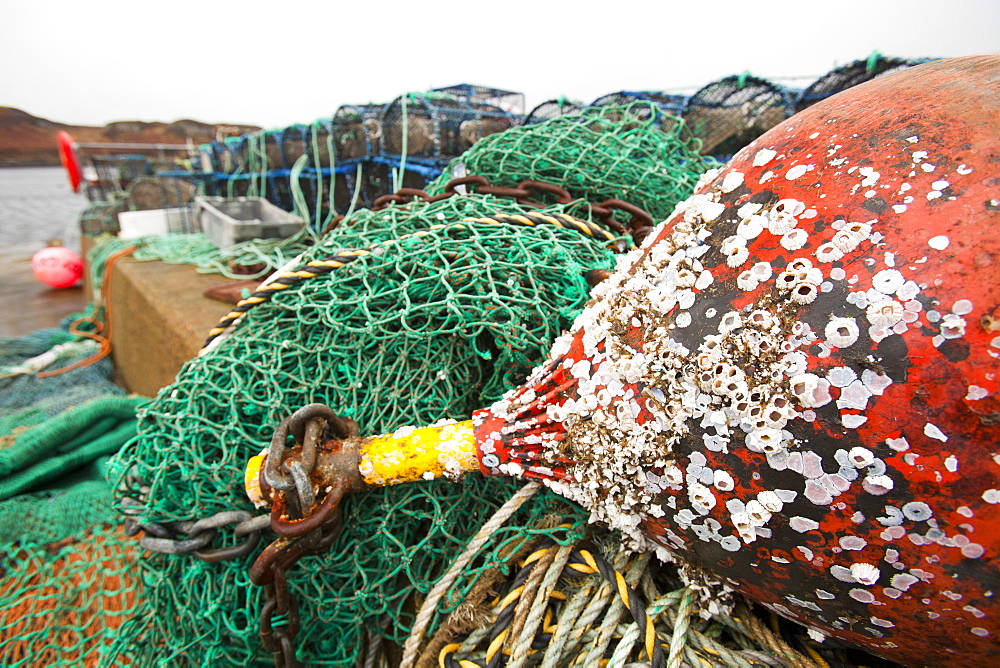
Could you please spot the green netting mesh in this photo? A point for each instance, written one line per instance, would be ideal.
(67, 578)
(634, 153)
(26, 399)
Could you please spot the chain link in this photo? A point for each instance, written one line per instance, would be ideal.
(192, 536)
(303, 524)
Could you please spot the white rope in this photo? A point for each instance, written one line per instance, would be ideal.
(411, 650)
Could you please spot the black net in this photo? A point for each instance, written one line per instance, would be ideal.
(847, 76)
(550, 109)
(730, 113)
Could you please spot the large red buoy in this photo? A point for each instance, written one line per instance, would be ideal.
(70, 160)
(792, 389)
(795, 385)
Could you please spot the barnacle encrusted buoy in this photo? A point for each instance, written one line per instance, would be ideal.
(792, 388)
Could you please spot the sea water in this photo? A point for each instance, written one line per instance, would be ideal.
(37, 206)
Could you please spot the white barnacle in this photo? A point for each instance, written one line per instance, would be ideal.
(767, 440)
(748, 209)
(761, 319)
(731, 321)
(701, 497)
(864, 573)
(810, 390)
(780, 223)
(952, 326)
(884, 314)
(747, 281)
(860, 457)
(789, 206)
(751, 226)
(794, 363)
(888, 281)
(877, 485)
(764, 156)
(828, 252)
(787, 280)
(917, 511)
(763, 271)
(723, 480)
(846, 241)
(903, 581)
(863, 230)
(735, 250)
(803, 524)
(731, 182)
(794, 239)
(841, 332)
(770, 500)
(758, 514)
(804, 293)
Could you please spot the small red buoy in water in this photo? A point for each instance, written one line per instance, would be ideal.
(57, 267)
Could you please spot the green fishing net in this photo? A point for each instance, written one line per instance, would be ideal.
(67, 578)
(429, 327)
(633, 153)
(426, 327)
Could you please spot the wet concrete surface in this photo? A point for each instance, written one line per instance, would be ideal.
(26, 304)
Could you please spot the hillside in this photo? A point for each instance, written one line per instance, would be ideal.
(30, 141)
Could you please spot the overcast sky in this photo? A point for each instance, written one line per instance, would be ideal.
(276, 63)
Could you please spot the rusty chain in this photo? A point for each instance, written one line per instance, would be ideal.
(304, 524)
(640, 224)
(189, 536)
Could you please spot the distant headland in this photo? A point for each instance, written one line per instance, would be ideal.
(30, 141)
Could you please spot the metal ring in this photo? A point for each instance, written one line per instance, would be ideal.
(275, 451)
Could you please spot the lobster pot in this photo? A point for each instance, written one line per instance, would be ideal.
(101, 218)
(273, 151)
(212, 157)
(550, 109)
(321, 143)
(730, 113)
(232, 186)
(672, 105)
(113, 174)
(510, 101)
(294, 143)
(160, 192)
(234, 154)
(847, 76)
(437, 126)
(357, 131)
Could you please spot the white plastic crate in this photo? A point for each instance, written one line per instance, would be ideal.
(228, 221)
(156, 222)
